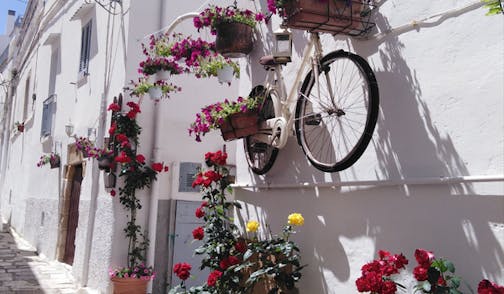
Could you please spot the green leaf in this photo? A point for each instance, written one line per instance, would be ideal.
(455, 281)
(449, 266)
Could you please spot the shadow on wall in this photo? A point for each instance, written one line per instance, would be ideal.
(345, 228)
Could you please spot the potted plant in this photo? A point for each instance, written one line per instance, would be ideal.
(137, 175)
(232, 26)
(84, 145)
(52, 158)
(156, 90)
(160, 67)
(237, 265)
(330, 16)
(19, 126)
(235, 119)
(218, 66)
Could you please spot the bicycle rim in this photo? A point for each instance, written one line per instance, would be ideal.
(334, 133)
(261, 156)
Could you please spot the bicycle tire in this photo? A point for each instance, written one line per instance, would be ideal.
(261, 156)
(325, 120)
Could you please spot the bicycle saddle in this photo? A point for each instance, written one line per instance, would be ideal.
(268, 60)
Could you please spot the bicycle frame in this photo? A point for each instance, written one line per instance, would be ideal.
(285, 105)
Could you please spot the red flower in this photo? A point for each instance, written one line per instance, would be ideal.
(487, 287)
(217, 158)
(131, 114)
(199, 212)
(224, 264)
(388, 287)
(134, 106)
(204, 204)
(114, 107)
(198, 233)
(112, 129)
(121, 138)
(112, 193)
(157, 166)
(140, 158)
(232, 260)
(182, 270)
(123, 158)
(240, 246)
(213, 278)
(166, 168)
(424, 257)
(420, 273)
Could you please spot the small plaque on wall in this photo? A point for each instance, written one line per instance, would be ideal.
(186, 176)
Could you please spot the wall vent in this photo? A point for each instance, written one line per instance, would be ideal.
(186, 176)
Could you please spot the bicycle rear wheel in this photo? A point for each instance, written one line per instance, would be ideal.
(261, 156)
(334, 132)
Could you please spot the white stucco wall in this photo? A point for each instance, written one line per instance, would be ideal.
(441, 115)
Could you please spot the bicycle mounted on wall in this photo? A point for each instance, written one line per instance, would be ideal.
(335, 112)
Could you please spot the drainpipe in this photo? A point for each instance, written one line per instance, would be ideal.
(377, 183)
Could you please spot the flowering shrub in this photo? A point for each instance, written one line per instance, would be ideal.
(376, 275)
(236, 264)
(435, 275)
(84, 145)
(212, 116)
(152, 65)
(143, 86)
(48, 158)
(137, 272)
(487, 287)
(214, 15)
(137, 175)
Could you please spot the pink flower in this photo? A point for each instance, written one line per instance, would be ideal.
(113, 193)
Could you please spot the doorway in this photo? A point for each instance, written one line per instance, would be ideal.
(73, 214)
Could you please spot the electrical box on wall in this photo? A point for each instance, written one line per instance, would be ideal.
(186, 176)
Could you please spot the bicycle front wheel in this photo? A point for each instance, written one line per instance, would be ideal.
(335, 118)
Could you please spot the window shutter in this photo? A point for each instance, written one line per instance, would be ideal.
(85, 47)
(45, 121)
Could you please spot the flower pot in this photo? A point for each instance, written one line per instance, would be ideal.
(267, 284)
(109, 180)
(105, 162)
(20, 128)
(333, 16)
(129, 285)
(234, 39)
(225, 74)
(240, 125)
(162, 75)
(55, 161)
(155, 93)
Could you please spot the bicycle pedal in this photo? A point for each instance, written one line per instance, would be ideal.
(259, 147)
(313, 119)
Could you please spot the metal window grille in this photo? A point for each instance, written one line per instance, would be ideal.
(48, 110)
(85, 47)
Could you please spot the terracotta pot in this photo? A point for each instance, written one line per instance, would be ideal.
(129, 285)
(56, 162)
(240, 125)
(234, 39)
(332, 16)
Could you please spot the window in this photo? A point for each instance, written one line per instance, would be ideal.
(85, 48)
(26, 98)
(48, 111)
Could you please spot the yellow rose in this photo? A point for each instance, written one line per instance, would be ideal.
(252, 226)
(296, 219)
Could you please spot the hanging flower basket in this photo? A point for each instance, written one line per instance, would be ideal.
(105, 162)
(240, 125)
(55, 161)
(129, 285)
(225, 74)
(163, 75)
(155, 93)
(234, 39)
(348, 17)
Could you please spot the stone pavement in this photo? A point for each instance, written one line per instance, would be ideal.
(23, 271)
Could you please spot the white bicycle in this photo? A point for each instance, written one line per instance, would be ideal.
(333, 115)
